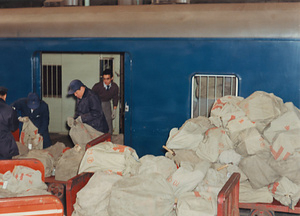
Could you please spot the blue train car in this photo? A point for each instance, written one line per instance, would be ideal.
(170, 61)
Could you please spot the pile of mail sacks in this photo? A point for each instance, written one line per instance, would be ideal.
(255, 136)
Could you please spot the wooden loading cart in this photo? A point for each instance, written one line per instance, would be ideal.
(29, 205)
(268, 209)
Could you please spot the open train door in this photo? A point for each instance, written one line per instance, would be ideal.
(59, 69)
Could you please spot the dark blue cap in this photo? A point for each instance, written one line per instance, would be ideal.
(33, 100)
(74, 86)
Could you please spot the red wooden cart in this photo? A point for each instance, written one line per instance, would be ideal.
(268, 209)
(29, 205)
(228, 197)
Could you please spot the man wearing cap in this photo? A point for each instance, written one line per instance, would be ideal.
(38, 112)
(8, 123)
(88, 106)
(107, 90)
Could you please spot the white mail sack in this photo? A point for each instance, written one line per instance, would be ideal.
(22, 179)
(197, 203)
(285, 144)
(82, 133)
(159, 164)
(215, 142)
(93, 198)
(225, 105)
(30, 135)
(289, 120)
(262, 108)
(187, 177)
(253, 141)
(146, 195)
(286, 192)
(226, 109)
(188, 136)
(107, 156)
(249, 195)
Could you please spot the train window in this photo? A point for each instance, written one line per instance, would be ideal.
(207, 88)
(52, 82)
(105, 63)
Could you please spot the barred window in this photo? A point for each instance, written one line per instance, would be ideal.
(208, 88)
(52, 82)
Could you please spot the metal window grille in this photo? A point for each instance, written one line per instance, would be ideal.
(206, 89)
(105, 63)
(51, 81)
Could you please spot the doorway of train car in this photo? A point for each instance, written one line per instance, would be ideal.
(58, 69)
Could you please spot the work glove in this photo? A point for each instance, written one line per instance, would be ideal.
(79, 119)
(113, 114)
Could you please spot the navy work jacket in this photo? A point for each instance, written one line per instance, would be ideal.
(39, 117)
(8, 123)
(90, 109)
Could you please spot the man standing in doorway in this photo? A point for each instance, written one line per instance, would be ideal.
(88, 106)
(107, 91)
(8, 123)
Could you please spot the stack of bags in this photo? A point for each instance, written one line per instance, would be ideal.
(255, 136)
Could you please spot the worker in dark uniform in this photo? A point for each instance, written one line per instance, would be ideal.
(8, 123)
(38, 112)
(88, 106)
(107, 91)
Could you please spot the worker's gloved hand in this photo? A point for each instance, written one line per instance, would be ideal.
(79, 119)
(113, 114)
(23, 119)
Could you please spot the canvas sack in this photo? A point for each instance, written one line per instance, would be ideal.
(225, 105)
(142, 195)
(93, 198)
(213, 181)
(230, 157)
(262, 108)
(184, 155)
(107, 156)
(187, 177)
(197, 203)
(22, 179)
(56, 151)
(226, 109)
(236, 126)
(285, 144)
(23, 149)
(29, 135)
(215, 142)
(159, 164)
(189, 134)
(289, 120)
(68, 165)
(259, 173)
(249, 195)
(252, 141)
(289, 168)
(81, 133)
(286, 192)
